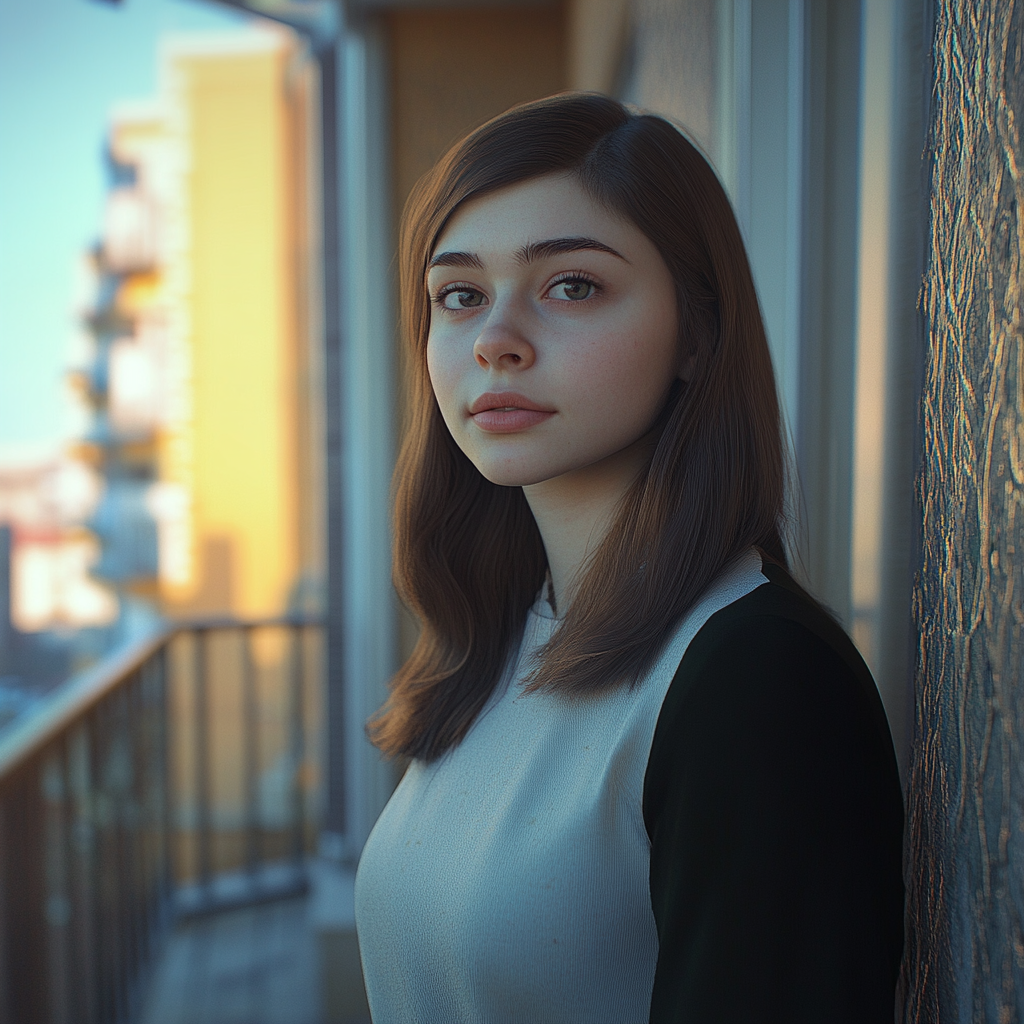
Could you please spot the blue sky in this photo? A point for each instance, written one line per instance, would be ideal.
(63, 65)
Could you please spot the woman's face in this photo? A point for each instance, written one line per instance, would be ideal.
(553, 332)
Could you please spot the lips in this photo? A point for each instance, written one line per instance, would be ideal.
(507, 412)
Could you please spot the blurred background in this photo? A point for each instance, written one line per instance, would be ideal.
(200, 392)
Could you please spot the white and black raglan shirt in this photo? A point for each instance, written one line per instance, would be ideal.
(722, 842)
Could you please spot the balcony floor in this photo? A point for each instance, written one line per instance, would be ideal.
(257, 965)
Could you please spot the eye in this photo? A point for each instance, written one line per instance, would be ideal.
(572, 288)
(460, 296)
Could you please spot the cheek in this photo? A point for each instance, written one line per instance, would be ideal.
(636, 365)
(436, 371)
(442, 371)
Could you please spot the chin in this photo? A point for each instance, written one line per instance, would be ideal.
(513, 476)
(507, 479)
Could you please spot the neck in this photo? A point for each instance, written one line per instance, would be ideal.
(575, 511)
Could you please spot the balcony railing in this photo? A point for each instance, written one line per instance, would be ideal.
(175, 778)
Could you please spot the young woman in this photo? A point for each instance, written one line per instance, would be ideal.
(650, 779)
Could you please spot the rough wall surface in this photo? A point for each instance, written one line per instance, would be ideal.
(965, 952)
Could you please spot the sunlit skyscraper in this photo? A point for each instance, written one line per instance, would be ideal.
(202, 379)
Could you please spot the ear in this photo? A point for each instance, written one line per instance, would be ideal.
(689, 364)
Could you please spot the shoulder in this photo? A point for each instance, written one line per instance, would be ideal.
(776, 626)
(772, 689)
(773, 808)
(774, 646)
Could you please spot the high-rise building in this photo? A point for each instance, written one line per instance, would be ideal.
(203, 380)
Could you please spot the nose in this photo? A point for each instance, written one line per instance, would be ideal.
(500, 347)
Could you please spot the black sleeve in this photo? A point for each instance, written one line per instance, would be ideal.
(773, 805)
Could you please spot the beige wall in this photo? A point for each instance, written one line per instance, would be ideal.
(597, 35)
(452, 69)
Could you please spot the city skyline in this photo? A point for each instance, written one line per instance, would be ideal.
(64, 66)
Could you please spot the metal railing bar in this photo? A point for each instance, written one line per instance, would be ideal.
(70, 970)
(29, 734)
(155, 821)
(105, 977)
(146, 859)
(163, 709)
(250, 755)
(22, 912)
(84, 890)
(133, 826)
(133, 882)
(89, 815)
(122, 879)
(202, 759)
(298, 753)
(70, 701)
(119, 882)
(151, 895)
(69, 951)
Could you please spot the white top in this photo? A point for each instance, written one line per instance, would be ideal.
(507, 882)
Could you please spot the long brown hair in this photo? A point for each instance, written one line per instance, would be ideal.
(468, 557)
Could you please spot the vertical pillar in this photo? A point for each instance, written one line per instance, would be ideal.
(359, 297)
(788, 82)
(335, 809)
(896, 81)
(370, 291)
(824, 434)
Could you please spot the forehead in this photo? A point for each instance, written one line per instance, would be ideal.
(552, 206)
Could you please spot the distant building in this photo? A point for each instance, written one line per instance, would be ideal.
(54, 617)
(44, 504)
(202, 380)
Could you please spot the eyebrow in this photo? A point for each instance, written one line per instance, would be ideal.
(455, 259)
(528, 253)
(556, 246)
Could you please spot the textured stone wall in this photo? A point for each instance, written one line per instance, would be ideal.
(965, 953)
